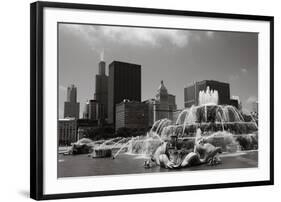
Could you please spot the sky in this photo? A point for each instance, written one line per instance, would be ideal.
(178, 57)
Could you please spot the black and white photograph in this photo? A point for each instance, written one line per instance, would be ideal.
(139, 100)
(133, 100)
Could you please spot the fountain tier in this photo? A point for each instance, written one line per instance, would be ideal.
(209, 118)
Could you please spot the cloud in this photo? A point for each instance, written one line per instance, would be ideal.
(85, 32)
(234, 77)
(244, 70)
(251, 99)
(128, 35)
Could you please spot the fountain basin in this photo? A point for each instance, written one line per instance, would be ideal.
(102, 153)
(80, 149)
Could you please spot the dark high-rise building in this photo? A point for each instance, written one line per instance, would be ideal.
(71, 106)
(124, 82)
(101, 93)
(191, 93)
(93, 112)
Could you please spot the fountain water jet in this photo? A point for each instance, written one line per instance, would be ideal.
(208, 96)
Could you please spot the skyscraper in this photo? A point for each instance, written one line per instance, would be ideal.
(93, 110)
(86, 110)
(124, 82)
(101, 93)
(71, 106)
(90, 110)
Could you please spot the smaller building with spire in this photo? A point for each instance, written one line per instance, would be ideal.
(162, 106)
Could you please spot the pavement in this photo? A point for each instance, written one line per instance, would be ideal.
(83, 165)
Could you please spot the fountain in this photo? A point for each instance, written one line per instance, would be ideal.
(208, 127)
(82, 146)
(221, 125)
(208, 96)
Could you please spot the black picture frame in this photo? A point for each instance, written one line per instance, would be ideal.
(36, 98)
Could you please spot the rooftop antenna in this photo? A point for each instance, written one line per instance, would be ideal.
(102, 55)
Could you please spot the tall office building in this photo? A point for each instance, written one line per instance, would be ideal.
(124, 82)
(86, 111)
(101, 93)
(71, 106)
(191, 93)
(91, 110)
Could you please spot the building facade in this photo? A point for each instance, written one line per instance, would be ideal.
(162, 106)
(124, 83)
(101, 92)
(93, 110)
(85, 124)
(71, 106)
(239, 102)
(191, 92)
(67, 131)
(165, 104)
(131, 114)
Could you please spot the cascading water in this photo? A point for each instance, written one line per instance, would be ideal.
(208, 97)
(220, 125)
